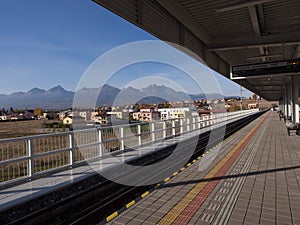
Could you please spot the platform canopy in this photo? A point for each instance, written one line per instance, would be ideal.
(224, 33)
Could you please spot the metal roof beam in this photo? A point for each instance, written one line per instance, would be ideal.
(253, 44)
(243, 5)
(297, 52)
(186, 19)
(291, 38)
(254, 20)
(264, 57)
(267, 85)
(256, 29)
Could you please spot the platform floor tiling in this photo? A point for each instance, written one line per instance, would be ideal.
(251, 178)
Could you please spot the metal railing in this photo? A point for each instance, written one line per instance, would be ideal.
(26, 157)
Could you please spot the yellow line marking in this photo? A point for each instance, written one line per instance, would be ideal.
(175, 174)
(128, 205)
(145, 194)
(156, 186)
(194, 160)
(171, 216)
(167, 179)
(188, 164)
(112, 216)
(182, 169)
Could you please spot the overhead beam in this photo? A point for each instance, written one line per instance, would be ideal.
(270, 88)
(256, 29)
(261, 19)
(140, 11)
(264, 85)
(254, 20)
(290, 38)
(242, 5)
(263, 57)
(270, 91)
(228, 46)
(179, 12)
(297, 52)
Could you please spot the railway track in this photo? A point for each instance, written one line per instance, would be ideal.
(92, 200)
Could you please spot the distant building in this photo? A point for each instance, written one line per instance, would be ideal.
(146, 115)
(175, 113)
(17, 117)
(61, 115)
(93, 115)
(72, 119)
(68, 120)
(101, 118)
(119, 115)
(252, 106)
(5, 117)
(83, 114)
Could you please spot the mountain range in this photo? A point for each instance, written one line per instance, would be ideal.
(59, 98)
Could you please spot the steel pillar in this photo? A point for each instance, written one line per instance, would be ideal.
(285, 100)
(289, 99)
(295, 97)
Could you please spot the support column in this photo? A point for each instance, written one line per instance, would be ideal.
(288, 100)
(295, 97)
(280, 105)
(285, 105)
(290, 94)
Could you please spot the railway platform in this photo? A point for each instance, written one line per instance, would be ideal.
(253, 177)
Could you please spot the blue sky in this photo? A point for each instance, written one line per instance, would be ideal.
(49, 43)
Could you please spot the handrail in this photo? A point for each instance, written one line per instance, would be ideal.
(24, 157)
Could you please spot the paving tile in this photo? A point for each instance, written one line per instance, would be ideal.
(123, 220)
(200, 222)
(235, 222)
(239, 211)
(269, 211)
(283, 213)
(153, 220)
(296, 221)
(268, 217)
(134, 222)
(237, 216)
(296, 214)
(282, 219)
(267, 222)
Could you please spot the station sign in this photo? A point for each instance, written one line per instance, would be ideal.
(287, 67)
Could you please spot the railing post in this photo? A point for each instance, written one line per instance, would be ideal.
(139, 131)
(122, 138)
(173, 128)
(152, 131)
(164, 129)
(100, 142)
(194, 123)
(31, 159)
(188, 124)
(181, 125)
(71, 146)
